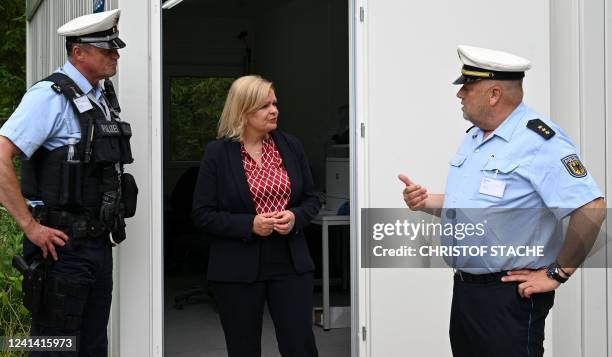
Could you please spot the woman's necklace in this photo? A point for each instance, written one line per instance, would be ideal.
(257, 152)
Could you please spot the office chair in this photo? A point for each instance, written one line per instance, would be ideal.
(186, 247)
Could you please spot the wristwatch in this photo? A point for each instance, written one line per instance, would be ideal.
(552, 271)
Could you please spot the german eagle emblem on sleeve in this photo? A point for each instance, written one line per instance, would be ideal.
(574, 166)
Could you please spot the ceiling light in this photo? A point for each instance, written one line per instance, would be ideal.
(169, 4)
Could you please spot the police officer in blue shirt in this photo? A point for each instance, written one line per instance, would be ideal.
(73, 145)
(523, 169)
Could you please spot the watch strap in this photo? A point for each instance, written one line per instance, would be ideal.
(563, 271)
(551, 272)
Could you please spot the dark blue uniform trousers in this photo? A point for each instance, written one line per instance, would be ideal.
(241, 307)
(492, 319)
(86, 268)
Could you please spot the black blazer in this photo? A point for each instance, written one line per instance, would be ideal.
(224, 210)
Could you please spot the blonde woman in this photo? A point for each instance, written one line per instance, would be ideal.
(254, 196)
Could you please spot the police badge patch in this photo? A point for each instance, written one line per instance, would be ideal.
(574, 166)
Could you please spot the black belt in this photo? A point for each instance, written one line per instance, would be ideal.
(76, 225)
(479, 278)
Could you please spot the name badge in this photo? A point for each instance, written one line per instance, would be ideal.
(492, 187)
(83, 104)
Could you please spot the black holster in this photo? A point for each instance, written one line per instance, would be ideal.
(33, 284)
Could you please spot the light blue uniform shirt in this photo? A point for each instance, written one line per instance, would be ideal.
(46, 118)
(539, 190)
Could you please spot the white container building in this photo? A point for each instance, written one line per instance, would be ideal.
(382, 68)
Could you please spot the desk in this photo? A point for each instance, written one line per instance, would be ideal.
(326, 219)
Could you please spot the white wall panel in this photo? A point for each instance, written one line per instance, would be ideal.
(578, 87)
(414, 125)
(608, 151)
(565, 108)
(592, 148)
(46, 50)
(140, 262)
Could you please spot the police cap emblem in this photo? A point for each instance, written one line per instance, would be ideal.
(574, 166)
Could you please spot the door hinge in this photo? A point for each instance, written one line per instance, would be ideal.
(363, 130)
(361, 13)
(364, 331)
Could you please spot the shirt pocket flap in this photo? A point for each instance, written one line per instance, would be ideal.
(502, 165)
(457, 160)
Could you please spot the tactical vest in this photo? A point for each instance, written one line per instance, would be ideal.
(82, 186)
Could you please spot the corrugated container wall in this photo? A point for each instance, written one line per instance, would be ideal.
(46, 50)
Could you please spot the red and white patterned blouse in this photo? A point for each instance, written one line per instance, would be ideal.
(269, 184)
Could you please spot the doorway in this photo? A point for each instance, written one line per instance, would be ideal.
(302, 46)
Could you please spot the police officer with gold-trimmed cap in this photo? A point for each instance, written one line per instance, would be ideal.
(520, 173)
(73, 147)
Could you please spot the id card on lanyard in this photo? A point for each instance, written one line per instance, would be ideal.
(82, 103)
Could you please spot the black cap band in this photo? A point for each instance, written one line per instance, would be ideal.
(96, 37)
(108, 39)
(472, 74)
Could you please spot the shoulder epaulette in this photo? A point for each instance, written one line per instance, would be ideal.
(56, 88)
(470, 128)
(541, 128)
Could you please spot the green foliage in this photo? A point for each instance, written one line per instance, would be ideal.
(14, 318)
(12, 55)
(195, 107)
(17, 166)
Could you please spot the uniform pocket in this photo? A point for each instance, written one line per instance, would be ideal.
(126, 149)
(71, 185)
(500, 173)
(500, 166)
(457, 160)
(107, 142)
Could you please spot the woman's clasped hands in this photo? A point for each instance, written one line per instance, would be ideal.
(265, 224)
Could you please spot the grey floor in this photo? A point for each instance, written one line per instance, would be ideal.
(196, 330)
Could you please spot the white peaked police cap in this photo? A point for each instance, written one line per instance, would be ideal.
(99, 29)
(483, 63)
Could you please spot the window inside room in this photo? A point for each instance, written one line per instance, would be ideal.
(196, 104)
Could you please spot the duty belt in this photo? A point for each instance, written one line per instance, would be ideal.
(75, 225)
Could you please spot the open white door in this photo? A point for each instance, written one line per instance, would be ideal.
(358, 175)
(404, 62)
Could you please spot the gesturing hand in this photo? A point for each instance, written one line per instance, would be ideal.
(45, 238)
(414, 195)
(263, 224)
(285, 222)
